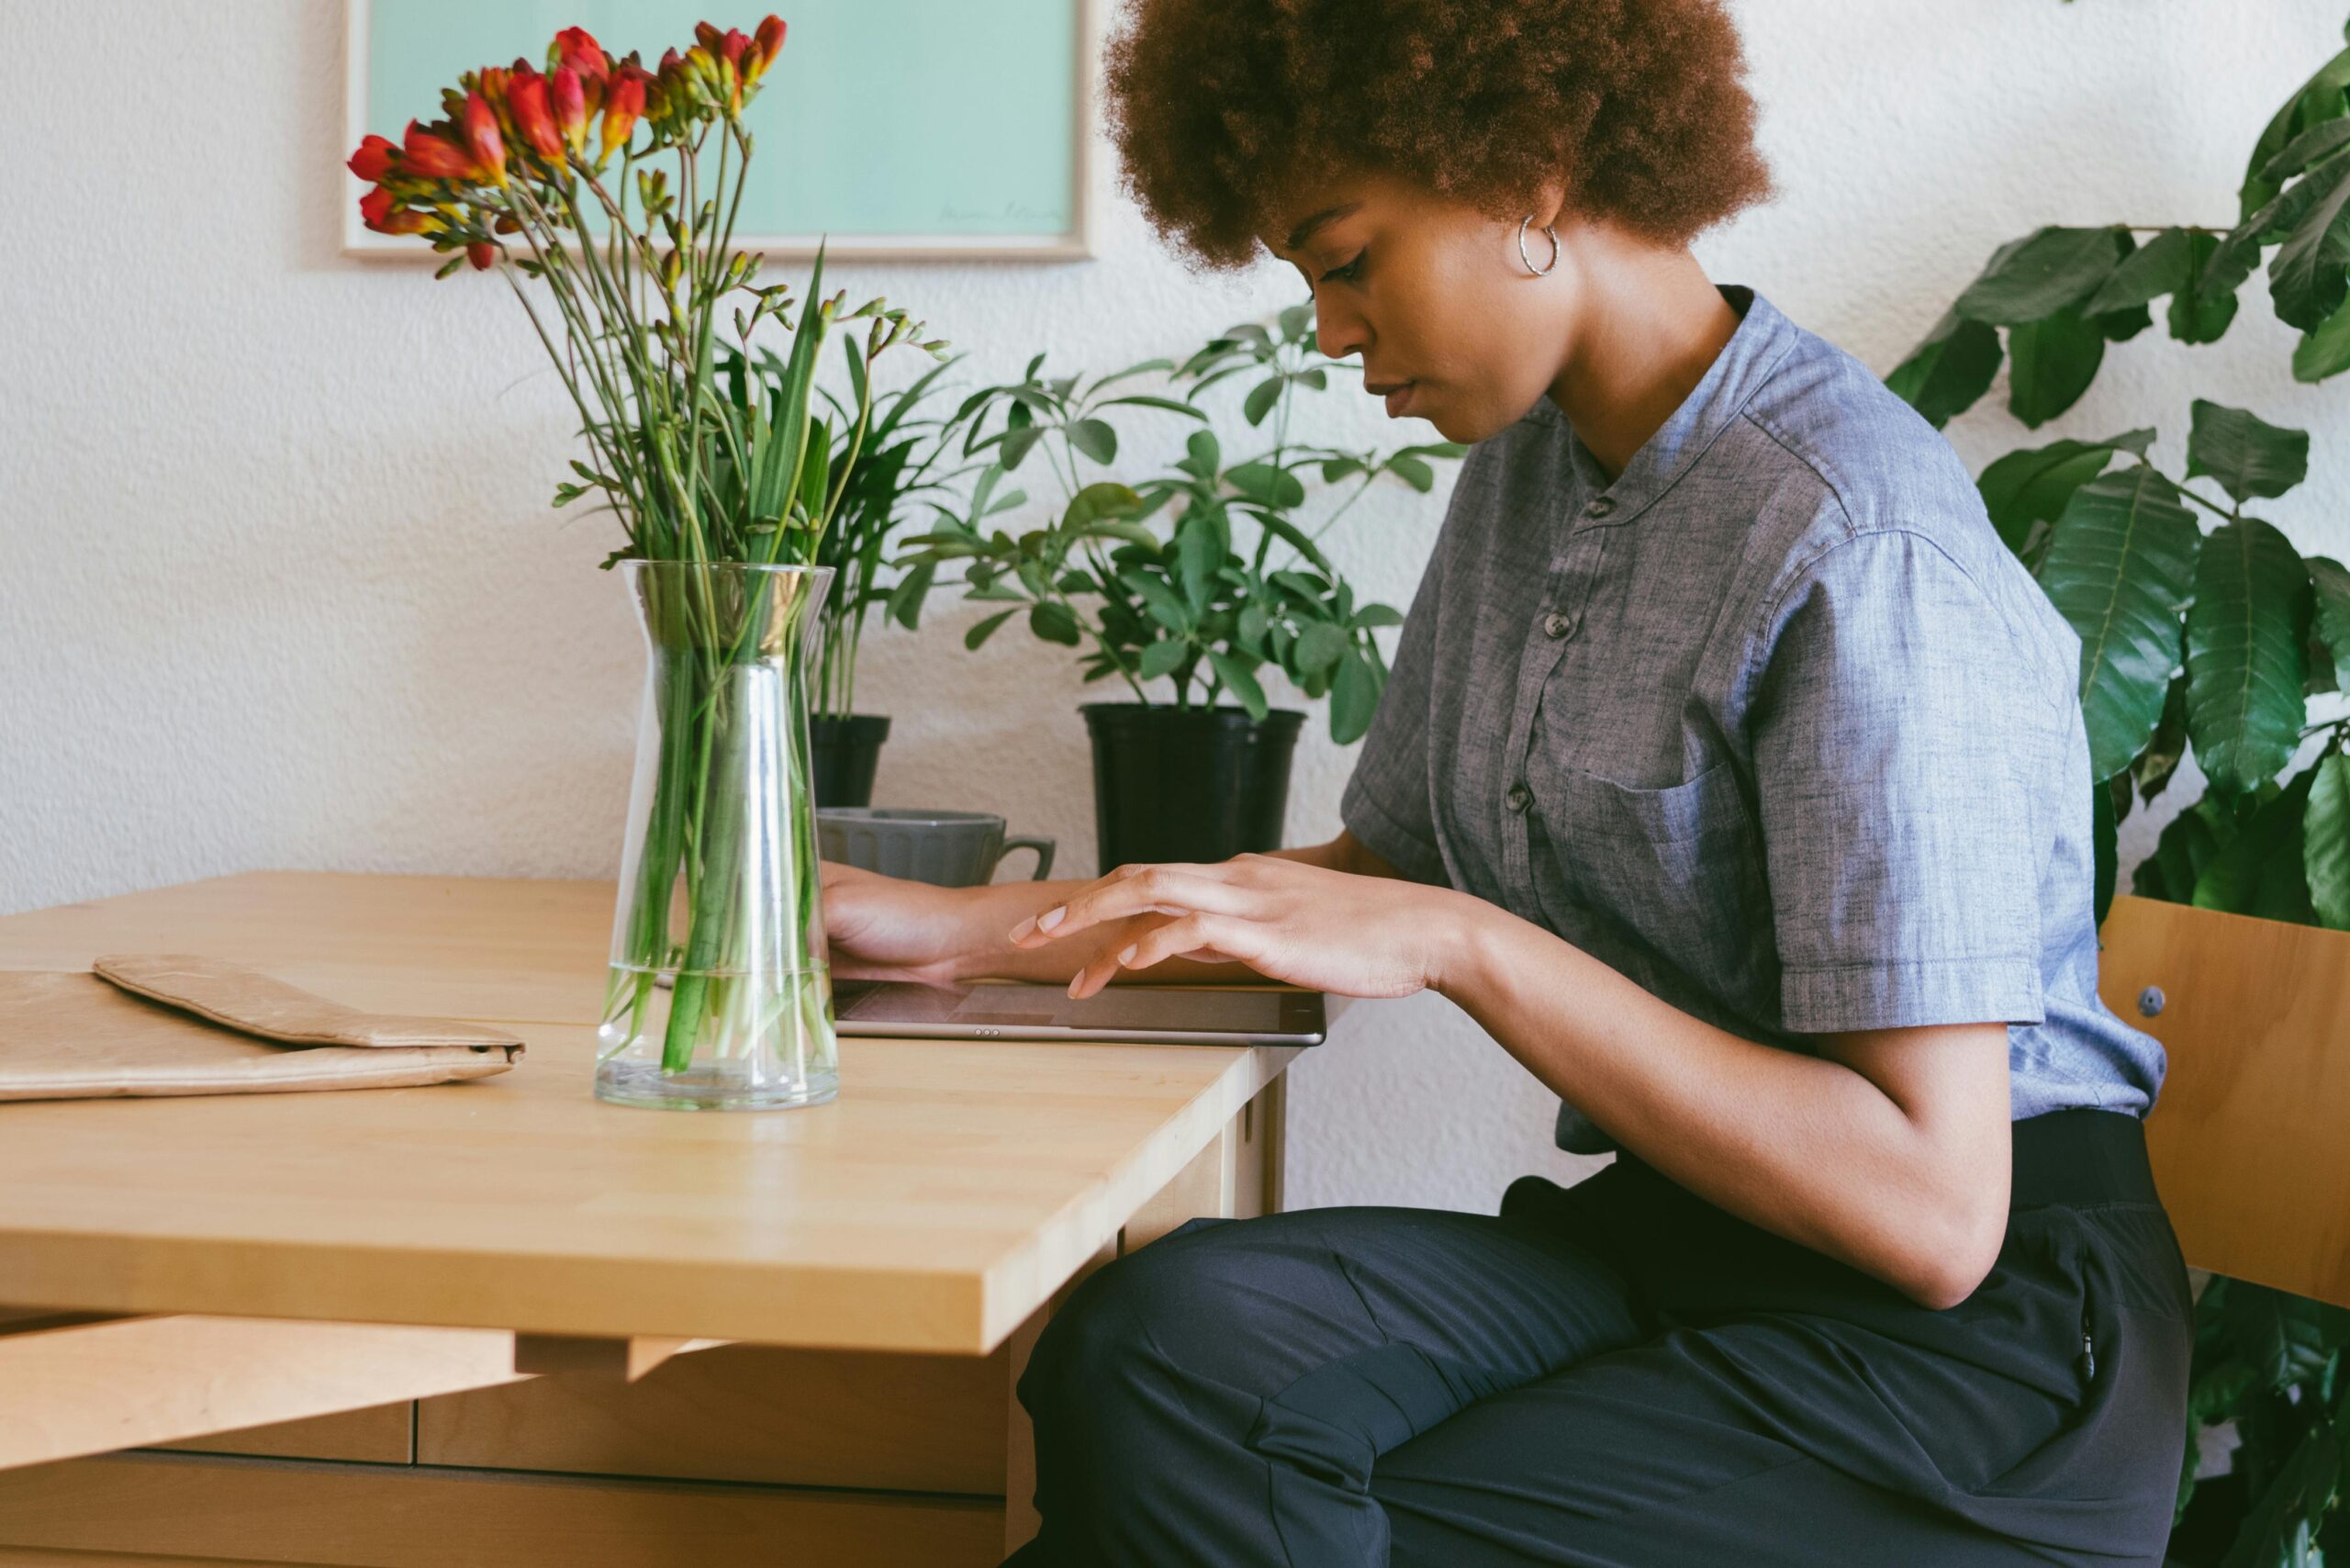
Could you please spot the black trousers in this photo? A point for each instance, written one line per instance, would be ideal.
(1622, 1374)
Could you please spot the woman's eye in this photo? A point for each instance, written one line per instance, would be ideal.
(1346, 273)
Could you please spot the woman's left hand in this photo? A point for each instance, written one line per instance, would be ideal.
(1302, 925)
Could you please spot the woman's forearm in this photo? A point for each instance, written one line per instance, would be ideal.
(1807, 1147)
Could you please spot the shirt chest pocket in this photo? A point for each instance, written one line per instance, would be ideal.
(1676, 872)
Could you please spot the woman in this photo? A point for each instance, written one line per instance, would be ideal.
(1732, 777)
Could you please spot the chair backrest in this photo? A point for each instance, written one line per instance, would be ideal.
(2251, 1135)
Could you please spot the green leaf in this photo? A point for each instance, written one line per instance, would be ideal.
(2120, 568)
(2161, 758)
(2326, 352)
(1240, 681)
(1267, 485)
(1159, 598)
(2248, 455)
(2260, 871)
(906, 599)
(1098, 501)
(2331, 584)
(1144, 400)
(1018, 444)
(2203, 304)
(1055, 622)
(2245, 657)
(1950, 371)
(1261, 399)
(1205, 455)
(2153, 270)
(2326, 842)
(1296, 322)
(2306, 276)
(2286, 1338)
(2047, 271)
(1095, 439)
(1413, 472)
(986, 629)
(2315, 101)
(2052, 361)
(1372, 615)
(1354, 698)
(2032, 485)
(1199, 551)
(2278, 1531)
(1320, 646)
(1163, 657)
(2187, 847)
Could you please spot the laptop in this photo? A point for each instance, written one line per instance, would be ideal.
(1165, 1014)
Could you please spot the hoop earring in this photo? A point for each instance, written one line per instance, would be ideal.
(1538, 272)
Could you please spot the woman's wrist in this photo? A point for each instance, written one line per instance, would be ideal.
(981, 947)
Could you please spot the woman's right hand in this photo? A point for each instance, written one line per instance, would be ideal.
(891, 928)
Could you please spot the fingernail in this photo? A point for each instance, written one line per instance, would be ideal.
(1075, 982)
(1126, 954)
(1051, 917)
(1025, 926)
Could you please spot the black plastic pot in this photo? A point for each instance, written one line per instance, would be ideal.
(848, 751)
(1187, 783)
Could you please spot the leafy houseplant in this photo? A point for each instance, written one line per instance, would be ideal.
(883, 471)
(2209, 643)
(719, 993)
(1230, 579)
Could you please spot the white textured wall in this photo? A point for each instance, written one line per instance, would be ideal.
(280, 587)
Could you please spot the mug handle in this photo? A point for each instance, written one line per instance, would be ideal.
(1044, 848)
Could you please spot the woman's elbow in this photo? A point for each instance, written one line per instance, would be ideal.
(1949, 1253)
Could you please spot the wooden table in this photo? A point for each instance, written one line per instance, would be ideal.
(503, 1323)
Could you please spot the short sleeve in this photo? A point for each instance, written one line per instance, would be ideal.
(1898, 731)
(1388, 803)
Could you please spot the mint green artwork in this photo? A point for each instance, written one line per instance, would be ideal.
(887, 126)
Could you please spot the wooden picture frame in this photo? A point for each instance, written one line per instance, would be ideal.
(1066, 233)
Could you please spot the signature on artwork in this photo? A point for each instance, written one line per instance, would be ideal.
(1017, 212)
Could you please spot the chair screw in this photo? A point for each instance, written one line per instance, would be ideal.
(2150, 1000)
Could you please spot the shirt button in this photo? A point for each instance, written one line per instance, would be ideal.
(1599, 506)
(1557, 624)
(1520, 797)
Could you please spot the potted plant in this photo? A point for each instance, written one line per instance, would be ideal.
(718, 995)
(2214, 643)
(1190, 582)
(895, 463)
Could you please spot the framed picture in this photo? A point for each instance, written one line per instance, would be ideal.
(890, 128)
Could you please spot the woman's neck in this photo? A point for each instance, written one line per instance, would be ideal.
(1650, 324)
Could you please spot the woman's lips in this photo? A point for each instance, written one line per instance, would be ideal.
(1399, 396)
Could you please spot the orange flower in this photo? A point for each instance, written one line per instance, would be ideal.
(433, 156)
(765, 47)
(623, 105)
(374, 159)
(526, 100)
(576, 48)
(481, 135)
(570, 108)
(377, 212)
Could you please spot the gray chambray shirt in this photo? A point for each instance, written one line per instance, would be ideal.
(1774, 725)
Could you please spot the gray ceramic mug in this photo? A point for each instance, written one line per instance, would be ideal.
(952, 849)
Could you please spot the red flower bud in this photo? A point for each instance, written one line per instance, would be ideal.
(623, 105)
(576, 48)
(374, 159)
(709, 38)
(570, 108)
(526, 100)
(377, 210)
(763, 51)
(481, 135)
(433, 156)
(483, 254)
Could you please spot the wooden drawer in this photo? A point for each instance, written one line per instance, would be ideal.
(353, 1515)
(745, 1413)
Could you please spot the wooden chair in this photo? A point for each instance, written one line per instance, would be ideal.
(2250, 1137)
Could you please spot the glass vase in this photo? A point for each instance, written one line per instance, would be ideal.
(720, 996)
